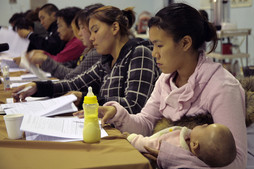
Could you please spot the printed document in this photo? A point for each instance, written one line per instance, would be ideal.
(24, 63)
(62, 127)
(50, 107)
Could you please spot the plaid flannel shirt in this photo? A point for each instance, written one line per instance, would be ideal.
(130, 81)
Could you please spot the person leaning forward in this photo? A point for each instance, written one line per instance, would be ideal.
(52, 42)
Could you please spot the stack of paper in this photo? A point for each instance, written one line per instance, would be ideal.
(39, 127)
(54, 129)
(49, 107)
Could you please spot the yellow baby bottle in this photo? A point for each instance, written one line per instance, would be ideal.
(91, 130)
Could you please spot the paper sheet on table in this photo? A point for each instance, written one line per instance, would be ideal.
(17, 83)
(8, 61)
(24, 63)
(28, 99)
(39, 137)
(50, 107)
(17, 45)
(71, 127)
(17, 69)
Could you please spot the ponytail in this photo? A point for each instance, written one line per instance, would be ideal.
(130, 14)
(210, 35)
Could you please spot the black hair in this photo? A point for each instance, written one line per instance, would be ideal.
(179, 20)
(49, 8)
(23, 23)
(68, 14)
(15, 17)
(82, 16)
(33, 15)
(204, 14)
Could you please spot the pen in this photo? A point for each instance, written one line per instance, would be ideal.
(24, 90)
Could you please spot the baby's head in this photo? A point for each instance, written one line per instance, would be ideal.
(214, 144)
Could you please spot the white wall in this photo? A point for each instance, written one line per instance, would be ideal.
(7, 10)
(241, 16)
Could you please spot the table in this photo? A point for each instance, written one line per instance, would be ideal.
(113, 152)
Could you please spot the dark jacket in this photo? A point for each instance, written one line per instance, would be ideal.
(51, 43)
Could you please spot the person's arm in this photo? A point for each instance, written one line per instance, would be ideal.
(89, 59)
(141, 75)
(56, 69)
(71, 51)
(139, 141)
(141, 123)
(91, 77)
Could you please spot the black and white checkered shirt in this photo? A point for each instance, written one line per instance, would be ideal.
(130, 81)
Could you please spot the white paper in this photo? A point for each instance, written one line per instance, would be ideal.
(24, 63)
(59, 105)
(13, 85)
(39, 137)
(16, 82)
(8, 61)
(28, 99)
(17, 69)
(71, 127)
(32, 76)
(17, 45)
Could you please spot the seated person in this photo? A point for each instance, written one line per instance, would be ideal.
(86, 60)
(32, 15)
(52, 42)
(14, 18)
(126, 72)
(74, 47)
(213, 144)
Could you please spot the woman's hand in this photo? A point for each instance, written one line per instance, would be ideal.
(78, 95)
(106, 113)
(152, 153)
(79, 114)
(36, 57)
(19, 95)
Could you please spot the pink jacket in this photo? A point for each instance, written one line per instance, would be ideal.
(72, 51)
(210, 88)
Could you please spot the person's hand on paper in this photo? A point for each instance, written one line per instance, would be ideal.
(79, 114)
(78, 95)
(106, 113)
(23, 33)
(21, 92)
(36, 57)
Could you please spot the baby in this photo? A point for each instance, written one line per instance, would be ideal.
(213, 144)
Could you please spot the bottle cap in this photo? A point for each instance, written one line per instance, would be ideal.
(90, 98)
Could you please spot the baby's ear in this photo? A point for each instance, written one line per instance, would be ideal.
(194, 146)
